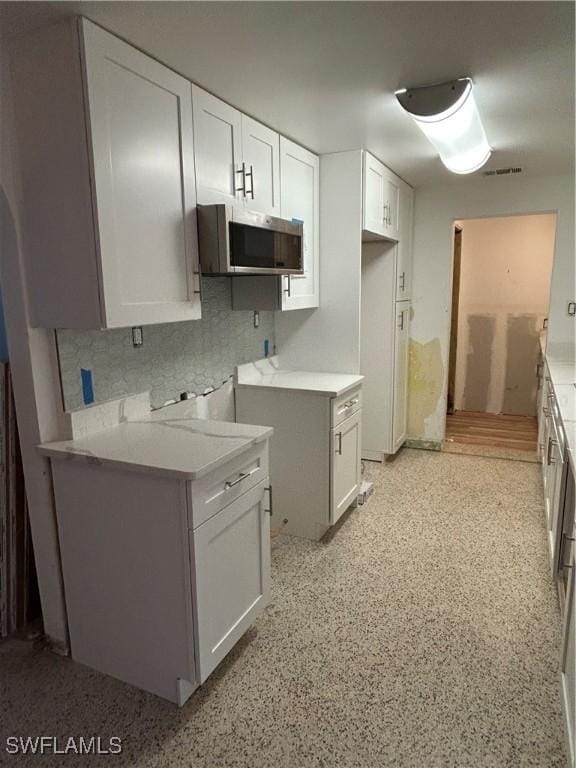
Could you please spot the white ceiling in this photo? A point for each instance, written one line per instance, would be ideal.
(324, 73)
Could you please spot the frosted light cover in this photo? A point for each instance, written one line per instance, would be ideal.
(458, 134)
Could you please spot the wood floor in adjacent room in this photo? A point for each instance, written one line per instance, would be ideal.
(488, 429)
(424, 633)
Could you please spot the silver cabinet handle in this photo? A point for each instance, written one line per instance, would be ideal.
(546, 411)
(403, 281)
(241, 476)
(199, 273)
(242, 189)
(271, 509)
(288, 288)
(401, 316)
(251, 190)
(549, 459)
(339, 449)
(385, 213)
(350, 403)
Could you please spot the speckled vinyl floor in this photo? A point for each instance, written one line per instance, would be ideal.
(424, 633)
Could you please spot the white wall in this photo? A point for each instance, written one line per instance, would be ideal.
(506, 266)
(436, 209)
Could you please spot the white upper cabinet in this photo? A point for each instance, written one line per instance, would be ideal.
(373, 195)
(140, 116)
(115, 240)
(300, 198)
(391, 205)
(217, 149)
(237, 158)
(404, 250)
(381, 199)
(261, 169)
(300, 175)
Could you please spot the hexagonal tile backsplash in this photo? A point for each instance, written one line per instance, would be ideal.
(175, 357)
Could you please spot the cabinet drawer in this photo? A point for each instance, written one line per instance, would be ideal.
(346, 405)
(212, 493)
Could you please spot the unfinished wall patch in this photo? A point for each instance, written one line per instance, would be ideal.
(521, 359)
(425, 378)
(481, 333)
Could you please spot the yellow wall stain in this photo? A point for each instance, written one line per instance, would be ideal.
(425, 378)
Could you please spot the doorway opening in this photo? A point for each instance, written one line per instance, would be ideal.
(502, 269)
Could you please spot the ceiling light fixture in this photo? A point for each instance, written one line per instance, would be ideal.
(447, 115)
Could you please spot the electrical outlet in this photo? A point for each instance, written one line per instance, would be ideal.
(137, 336)
(572, 308)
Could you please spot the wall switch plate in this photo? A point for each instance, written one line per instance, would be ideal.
(137, 336)
(572, 308)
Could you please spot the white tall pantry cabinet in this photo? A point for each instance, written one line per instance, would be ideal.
(363, 323)
(108, 182)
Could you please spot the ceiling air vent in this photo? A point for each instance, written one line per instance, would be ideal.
(502, 171)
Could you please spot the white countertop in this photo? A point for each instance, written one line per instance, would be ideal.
(168, 444)
(265, 373)
(566, 399)
(562, 370)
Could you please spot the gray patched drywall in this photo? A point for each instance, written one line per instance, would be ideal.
(175, 357)
(522, 356)
(481, 331)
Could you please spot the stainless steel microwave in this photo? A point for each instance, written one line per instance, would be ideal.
(234, 241)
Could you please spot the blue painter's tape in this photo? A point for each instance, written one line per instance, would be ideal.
(266, 347)
(297, 221)
(87, 386)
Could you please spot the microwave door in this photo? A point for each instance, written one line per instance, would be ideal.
(254, 248)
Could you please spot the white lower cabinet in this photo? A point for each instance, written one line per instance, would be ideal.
(314, 452)
(568, 663)
(345, 464)
(162, 575)
(231, 563)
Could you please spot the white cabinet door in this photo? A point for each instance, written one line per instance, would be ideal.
(231, 561)
(391, 204)
(300, 191)
(261, 158)
(568, 665)
(374, 190)
(140, 121)
(400, 373)
(404, 251)
(218, 149)
(345, 465)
